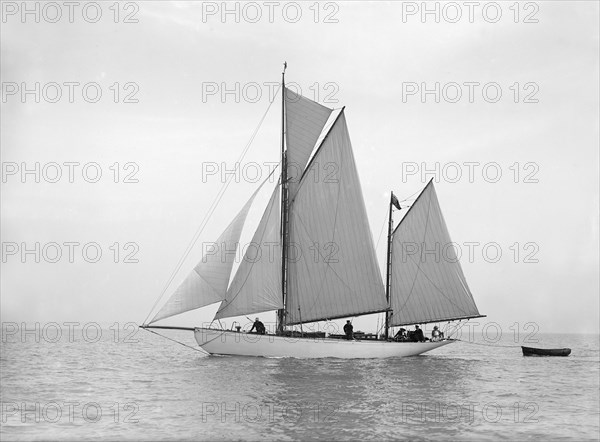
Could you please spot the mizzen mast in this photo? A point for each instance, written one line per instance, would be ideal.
(388, 278)
(284, 209)
(388, 265)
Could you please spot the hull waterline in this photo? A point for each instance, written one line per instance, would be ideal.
(225, 342)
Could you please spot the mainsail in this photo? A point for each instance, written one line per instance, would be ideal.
(332, 267)
(207, 282)
(305, 120)
(427, 281)
(256, 286)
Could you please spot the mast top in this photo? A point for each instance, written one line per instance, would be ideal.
(284, 67)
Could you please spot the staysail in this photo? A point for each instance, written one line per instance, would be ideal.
(332, 267)
(207, 282)
(256, 286)
(305, 120)
(427, 281)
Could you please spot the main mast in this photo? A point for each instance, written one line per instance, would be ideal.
(284, 209)
(388, 278)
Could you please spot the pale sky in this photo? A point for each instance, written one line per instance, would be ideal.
(372, 57)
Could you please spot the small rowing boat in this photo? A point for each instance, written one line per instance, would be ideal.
(531, 351)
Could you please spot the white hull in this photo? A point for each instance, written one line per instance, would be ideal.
(225, 342)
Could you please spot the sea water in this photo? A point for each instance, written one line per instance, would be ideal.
(133, 385)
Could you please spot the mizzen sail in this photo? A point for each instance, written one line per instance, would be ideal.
(256, 286)
(427, 281)
(332, 267)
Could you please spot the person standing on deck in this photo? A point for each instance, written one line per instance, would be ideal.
(419, 337)
(348, 330)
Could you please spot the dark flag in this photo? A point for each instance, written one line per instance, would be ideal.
(395, 202)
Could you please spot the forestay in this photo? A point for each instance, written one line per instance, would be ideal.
(332, 268)
(427, 284)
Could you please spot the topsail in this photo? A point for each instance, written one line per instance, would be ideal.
(305, 120)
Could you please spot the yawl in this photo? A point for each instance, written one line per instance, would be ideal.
(344, 281)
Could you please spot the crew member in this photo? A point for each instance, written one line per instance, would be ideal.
(401, 335)
(348, 330)
(259, 326)
(418, 335)
(436, 334)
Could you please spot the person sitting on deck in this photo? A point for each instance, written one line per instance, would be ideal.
(418, 335)
(401, 335)
(348, 330)
(436, 334)
(259, 326)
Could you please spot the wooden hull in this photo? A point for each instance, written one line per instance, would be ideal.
(531, 351)
(225, 342)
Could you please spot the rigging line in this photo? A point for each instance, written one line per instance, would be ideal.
(458, 328)
(178, 342)
(208, 215)
(380, 329)
(216, 337)
(409, 197)
(488, 345)
(382, 227)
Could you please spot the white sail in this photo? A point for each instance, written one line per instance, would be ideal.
(305, 120)
(427, 281)
(207, 283)
(332, 267)
(256, 286)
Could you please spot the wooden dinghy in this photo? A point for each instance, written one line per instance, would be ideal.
(531, 351)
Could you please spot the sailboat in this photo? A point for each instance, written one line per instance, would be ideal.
(324, 265)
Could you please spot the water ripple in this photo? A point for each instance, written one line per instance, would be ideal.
(155, 390)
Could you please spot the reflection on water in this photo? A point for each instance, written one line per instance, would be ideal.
(154, 389)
